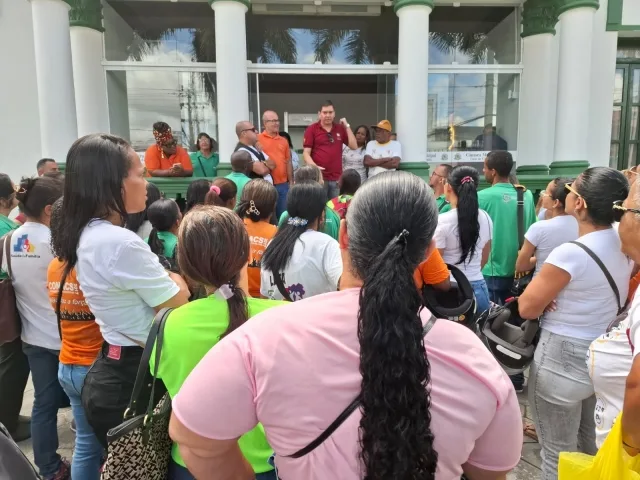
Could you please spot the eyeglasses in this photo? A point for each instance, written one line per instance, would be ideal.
(628, 170)
(331, 140)
(619, 210)
(437, 175)
(569, 187)
(171, 143)
(544, 194)
(254, 130)
(272, 121)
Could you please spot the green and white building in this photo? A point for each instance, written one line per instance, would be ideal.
(559, 80)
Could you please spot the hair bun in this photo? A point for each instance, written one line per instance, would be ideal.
(26, 184)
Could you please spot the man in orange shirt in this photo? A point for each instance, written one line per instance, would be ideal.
(277, 148)
(166, 158)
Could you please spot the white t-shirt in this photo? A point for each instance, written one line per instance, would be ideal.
(30, 258)
(448, 239)
(634, 324)
(549, 234)
(587, 305)
(122, 280)
(382, 150)
(542, 214)
(314, 268)
(609, 361)
(254, 157)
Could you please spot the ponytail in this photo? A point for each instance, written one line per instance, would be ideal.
(396, 439)
(238, 307)
(464, 182)
(155, 243)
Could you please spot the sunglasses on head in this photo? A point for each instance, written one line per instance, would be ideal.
(569, 186)
(619, 210)
(254, 130)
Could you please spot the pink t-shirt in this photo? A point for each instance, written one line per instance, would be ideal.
(295, 368)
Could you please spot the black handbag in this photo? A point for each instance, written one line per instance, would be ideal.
(521, 281)
(140, 447)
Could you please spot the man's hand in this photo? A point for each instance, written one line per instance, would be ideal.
(344, 123)
(177, 169)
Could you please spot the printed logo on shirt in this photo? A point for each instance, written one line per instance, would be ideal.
(506, 198)
(338, 136)
(601, 405)
(295, 291)
(115, 352)
(23, 245)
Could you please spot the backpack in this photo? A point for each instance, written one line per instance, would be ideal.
(13, 463)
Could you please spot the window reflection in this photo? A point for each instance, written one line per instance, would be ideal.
(185, 100)
(472, 112)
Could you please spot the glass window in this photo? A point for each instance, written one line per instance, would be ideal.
(474, 35)
(185, 100)
(157, 32)
(306, 39)
(472, 112)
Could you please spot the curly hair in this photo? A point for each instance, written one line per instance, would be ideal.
(390, 224)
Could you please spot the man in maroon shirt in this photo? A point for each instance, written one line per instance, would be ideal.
(323, 143)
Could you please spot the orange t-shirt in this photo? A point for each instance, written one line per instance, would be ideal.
(81, 337)
(278, 150)
(153, 160)
(433, 270)
(260, 233)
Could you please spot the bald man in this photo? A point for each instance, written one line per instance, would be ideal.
(277, 148)
(248, 140)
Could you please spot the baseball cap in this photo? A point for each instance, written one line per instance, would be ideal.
(384, 125)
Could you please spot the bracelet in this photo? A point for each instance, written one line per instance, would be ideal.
(630, 446)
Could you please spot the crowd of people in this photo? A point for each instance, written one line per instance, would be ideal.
(300, 322)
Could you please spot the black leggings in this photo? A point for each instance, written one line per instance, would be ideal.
(108, 387)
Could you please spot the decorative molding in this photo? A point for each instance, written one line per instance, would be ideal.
(246, 3)
(538, 17)
(398, 4)
(86, 13)
(565, 5)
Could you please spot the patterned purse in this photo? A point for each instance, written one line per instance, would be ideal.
(140, 447)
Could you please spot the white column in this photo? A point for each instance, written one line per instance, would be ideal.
(54, 74)
(231, 72)
(574, 84)
(413, 74)
(89, 81)
(536, 140)
(603, 74)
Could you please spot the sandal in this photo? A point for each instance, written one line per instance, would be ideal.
(529, 430)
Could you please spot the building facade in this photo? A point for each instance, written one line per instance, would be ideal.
(556, 82)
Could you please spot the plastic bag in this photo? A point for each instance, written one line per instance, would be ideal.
(611, 462)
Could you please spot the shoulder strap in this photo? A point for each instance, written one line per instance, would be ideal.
(610, 279)
(7, 253)
(281, 288)
(156, 333)
(255, 151)
(346, 413)
(520, 209)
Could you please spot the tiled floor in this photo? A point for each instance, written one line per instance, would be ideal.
(528, 469)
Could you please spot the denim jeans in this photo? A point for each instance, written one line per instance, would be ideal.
(87, 453)
(331, 189)
(562, 399)
(48, 396)
(178, 472)
(482, 296)
(281, 204)
(499, 288)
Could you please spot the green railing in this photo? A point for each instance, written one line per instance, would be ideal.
(534, 177)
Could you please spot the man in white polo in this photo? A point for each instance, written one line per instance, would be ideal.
(382, 154)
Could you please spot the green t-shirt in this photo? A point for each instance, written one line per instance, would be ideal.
(169, 240)
(331, 222)
(500, 202)
(240, 179)
(443, 205)
(204, 166)
(6, 226)
(189, 333)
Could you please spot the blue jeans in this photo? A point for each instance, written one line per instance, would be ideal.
(499, 288)
(48, 397)
(281, 204)
(178, 472)
(482, 296)
(331, 189)
(87, 454)
(562, 399)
